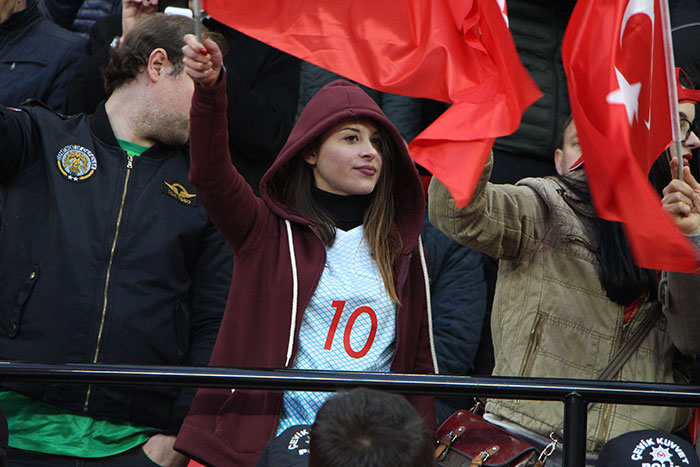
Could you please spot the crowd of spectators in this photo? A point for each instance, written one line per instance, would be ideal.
(139, 165)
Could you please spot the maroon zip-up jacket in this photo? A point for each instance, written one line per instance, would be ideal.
(261, 324)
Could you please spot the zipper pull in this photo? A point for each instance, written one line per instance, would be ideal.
(129, 162)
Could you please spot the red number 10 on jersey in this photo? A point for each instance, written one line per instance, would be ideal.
(339, 305)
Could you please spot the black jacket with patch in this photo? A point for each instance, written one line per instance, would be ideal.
(104, 259)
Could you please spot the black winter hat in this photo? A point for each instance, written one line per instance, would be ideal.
(648, 448)
(289, 449)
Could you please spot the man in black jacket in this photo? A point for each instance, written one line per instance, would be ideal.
(106, 256)
(262, 84)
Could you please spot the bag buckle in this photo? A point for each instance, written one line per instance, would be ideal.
(453, 435)
(479, 460)
(446, 441)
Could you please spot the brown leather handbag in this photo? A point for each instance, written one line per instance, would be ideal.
(467, 440)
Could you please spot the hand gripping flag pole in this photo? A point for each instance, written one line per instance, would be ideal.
(456, 51)
(197, 13)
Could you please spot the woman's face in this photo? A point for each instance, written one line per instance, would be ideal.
(569, 153)
(687, 111)
(348, 161)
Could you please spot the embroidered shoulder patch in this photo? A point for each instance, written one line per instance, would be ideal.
(180, 193)
(76, 163)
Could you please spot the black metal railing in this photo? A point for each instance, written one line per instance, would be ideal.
(575, 394)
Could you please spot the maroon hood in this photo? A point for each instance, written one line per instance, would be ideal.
(334, 102)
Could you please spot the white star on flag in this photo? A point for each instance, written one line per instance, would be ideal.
(627, 95)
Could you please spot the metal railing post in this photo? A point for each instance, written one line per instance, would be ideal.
(575, 421)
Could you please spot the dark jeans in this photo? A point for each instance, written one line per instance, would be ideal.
(134, 457)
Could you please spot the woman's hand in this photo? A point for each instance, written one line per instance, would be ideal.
(202, 61)
(682, 200)
(159, 448)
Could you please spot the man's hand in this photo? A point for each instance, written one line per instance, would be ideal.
(160, 449)
(202, 62)
(133, 11)
(682, 200)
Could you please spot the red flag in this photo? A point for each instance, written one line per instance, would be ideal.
(457, 51)
(613, 54)
(504, 10)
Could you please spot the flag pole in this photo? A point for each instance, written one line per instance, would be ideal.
(197, 13)
(671, 79)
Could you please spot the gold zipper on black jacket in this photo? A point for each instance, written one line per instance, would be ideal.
(129, 166)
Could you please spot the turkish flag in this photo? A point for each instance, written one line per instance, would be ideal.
(457, 51)
(613, 54)
(504, 10)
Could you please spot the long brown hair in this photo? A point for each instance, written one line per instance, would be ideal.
(380, 230)
(623, 281)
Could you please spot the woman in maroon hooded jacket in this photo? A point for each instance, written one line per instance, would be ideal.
(307, 291)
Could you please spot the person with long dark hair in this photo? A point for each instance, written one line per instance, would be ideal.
(569, 294)
(329, 272)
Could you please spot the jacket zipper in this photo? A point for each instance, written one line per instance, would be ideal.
(532, 346)
(129, 167)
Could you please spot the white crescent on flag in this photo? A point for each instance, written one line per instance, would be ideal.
(504, 10)
(634, 7)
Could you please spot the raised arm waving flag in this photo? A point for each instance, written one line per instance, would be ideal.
(457, 51)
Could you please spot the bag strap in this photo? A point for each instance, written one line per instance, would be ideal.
(632, 344)
(622, 355)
